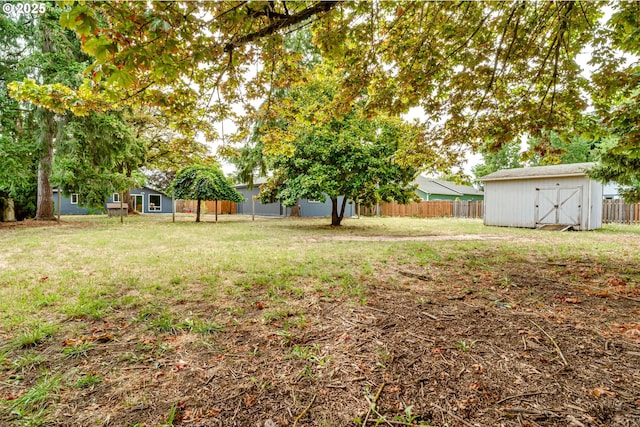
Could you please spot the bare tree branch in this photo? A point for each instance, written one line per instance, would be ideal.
(316, 9)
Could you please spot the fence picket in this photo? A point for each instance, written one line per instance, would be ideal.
(617, 211)
(430, 209)
(613, 211)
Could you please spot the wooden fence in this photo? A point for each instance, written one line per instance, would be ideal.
(613, 211)
(209, 206)
(620, 212)
(431, 209)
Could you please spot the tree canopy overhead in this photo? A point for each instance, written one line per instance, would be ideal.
(477, 68)
(481, 71)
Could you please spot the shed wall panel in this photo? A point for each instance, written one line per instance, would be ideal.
(595, 213)
(512, 203)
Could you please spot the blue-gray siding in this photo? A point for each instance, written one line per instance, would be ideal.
(245, 208)
(323, 208)
(165, 202)
(67, 208)
(307, 208)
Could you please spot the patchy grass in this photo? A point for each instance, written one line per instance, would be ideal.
(153, 323)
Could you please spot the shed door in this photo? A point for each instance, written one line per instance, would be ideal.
(559, 206)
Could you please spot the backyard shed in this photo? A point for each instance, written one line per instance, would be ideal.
(536, 197)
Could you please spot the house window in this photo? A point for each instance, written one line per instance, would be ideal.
(116, 197)
(74, 199)
(155, 202)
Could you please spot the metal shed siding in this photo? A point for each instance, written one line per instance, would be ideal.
(595, 214)
(512, 203)
(508, 204)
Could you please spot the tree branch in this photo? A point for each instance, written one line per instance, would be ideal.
(318, 8)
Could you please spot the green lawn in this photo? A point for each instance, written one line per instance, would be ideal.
(67, 292)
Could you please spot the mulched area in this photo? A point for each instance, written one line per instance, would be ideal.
(531, 343)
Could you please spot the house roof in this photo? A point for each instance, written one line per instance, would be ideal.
(437, 186)
(144, 187)
(256, 182)
(553, 171)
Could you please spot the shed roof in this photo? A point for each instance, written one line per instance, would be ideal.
(553, 171)
(437, 186)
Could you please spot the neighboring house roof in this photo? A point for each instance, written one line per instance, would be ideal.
(437, 186)
(256, 183)
(553, 171)
(55, 190)
(151, 189)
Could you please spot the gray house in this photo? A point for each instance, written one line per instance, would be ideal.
(144, 200)
(306, 208)
(535, 197)
(252, 205)
(70, 205)
(148, 201)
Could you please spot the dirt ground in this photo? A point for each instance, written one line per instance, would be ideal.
(514, 345)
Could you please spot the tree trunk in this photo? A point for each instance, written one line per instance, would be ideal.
(295, 209)
(335, 218)
(344, 205)
(198, 211)
(126, 198)
(44, 204)
(216, 211)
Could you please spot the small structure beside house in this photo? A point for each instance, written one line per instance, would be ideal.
(143, 200)
(436, 189)
(113, 209)
(305, 208)
(536, 197)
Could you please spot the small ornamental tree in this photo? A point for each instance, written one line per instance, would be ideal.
(203, 183)
(353, 158)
